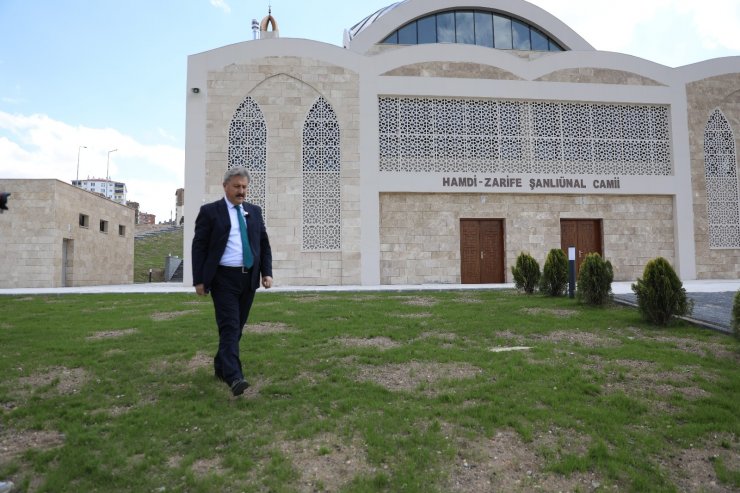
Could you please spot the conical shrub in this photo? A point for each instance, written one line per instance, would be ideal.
(594, 286)
(526, 273)
(660, 293)
(554, 279)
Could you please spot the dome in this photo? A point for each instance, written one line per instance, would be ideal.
(367, 21)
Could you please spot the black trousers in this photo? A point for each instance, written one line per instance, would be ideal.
(232, 299)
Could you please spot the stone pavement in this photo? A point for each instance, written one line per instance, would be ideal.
(712, 298)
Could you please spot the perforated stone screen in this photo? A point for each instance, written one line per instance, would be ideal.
(720, 171)
(248, 149)
(486, 135)
(321, 184)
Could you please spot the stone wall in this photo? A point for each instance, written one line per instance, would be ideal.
(420, 232)
(45, 213)
(285, 88)
(703, 98)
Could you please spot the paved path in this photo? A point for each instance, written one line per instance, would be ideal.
(713, 310)
(712, 298)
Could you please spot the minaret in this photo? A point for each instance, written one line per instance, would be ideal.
(255, 29)
(269, 20)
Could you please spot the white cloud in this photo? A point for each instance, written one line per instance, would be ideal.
(221, 4)
(717, 25)
(672, 32)
(38, 147)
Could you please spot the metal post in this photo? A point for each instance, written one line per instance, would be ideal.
(79, 148)
(571, 271)
(150, 275)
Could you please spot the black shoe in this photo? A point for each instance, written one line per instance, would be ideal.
(239, 386)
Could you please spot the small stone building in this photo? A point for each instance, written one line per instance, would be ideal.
(56, 235)
(446, 137)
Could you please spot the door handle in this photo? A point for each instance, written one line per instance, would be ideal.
(481, 254)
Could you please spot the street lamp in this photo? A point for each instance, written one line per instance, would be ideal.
(79, 148)
(107, 166)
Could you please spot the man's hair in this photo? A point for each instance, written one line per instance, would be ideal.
(238, 171)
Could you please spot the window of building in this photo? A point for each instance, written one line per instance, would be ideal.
(103, 226)
(248, 149)
(84, 221)
(720, 172)
(513, 136)
(321, 185)
(121, 230)
(483, 28)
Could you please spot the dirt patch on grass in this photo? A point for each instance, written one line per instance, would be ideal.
(417, 300)
(445, 336)
(555, 312)
(63, 380)
(579, 338)
(640, 378)
(468, 298)
(505, 462)
(693, 469)
(14, 442)
(326, 462)
(701, 348)
(111, 334)
(160, 316)
(269, 328)
(375, 342)
(409, 376)
(200, 360)
(204, 467)
(507, 334)
(693, 346)
(311, 298)
(413, 315)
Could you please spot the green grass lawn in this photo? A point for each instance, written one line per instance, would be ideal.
(364, 392)
(150, 253)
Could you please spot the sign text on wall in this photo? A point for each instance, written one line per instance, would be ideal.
(507, 182)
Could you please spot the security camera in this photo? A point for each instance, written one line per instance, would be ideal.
(4, 201)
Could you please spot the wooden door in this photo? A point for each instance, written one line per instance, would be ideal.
(584, 234)
(482, 251)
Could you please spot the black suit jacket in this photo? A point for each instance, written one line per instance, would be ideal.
(212, 228)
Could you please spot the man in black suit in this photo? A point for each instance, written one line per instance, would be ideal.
(230, 273)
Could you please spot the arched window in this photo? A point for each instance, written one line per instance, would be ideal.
(478, 27)
(248, 149)
(321, 186)
(720, 171)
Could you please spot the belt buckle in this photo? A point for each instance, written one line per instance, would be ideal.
(245, 270)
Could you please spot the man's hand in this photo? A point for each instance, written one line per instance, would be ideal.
(267, 282)
(200, 290)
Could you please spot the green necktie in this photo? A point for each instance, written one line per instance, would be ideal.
(246, 249)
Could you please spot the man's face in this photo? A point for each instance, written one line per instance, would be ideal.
(236, 189)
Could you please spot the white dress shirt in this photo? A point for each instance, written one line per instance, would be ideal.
(233, 255)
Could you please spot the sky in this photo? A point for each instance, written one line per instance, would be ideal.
(108, 74)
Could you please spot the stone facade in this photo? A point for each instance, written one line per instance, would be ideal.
(285, 88)
(704, 96)
(420, 233)
(42, 230)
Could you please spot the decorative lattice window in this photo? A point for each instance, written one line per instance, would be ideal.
(321, 185)
(248, 149)
(720, 171)
(467, 135)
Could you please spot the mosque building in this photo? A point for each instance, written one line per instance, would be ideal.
(446, 137)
